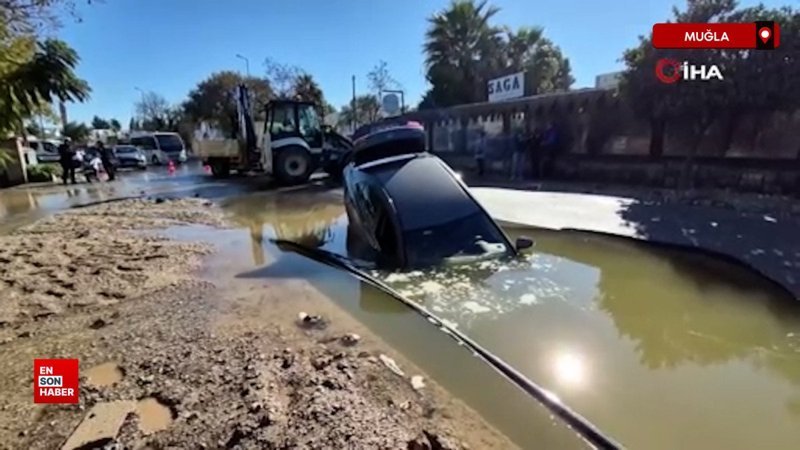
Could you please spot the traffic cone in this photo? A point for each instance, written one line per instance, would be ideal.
(171, 167)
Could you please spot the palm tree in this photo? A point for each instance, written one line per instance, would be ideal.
(521, 45)
(47, 76)
(461, 47)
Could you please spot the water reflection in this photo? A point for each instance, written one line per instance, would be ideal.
(644, 342)
(305, 217)
(570, 369)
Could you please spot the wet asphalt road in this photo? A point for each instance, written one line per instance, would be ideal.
(26, 203)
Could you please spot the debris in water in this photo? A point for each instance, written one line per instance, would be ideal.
(417, 382)
(431, 287)
(350, 339)
(529, 299)
(770, 219)
(476, 307)
(389, 362)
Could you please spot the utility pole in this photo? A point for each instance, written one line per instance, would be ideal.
(246, 63)
(135, 113)
(354, 108)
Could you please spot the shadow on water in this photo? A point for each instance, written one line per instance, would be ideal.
(645, 342)
(761, 240)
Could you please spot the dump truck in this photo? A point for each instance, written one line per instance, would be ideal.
(291, 144)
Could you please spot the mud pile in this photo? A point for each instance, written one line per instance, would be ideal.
(85, 257)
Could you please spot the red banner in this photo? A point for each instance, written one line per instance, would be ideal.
(756, 35)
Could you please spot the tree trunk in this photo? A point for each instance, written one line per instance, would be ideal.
(657, 132)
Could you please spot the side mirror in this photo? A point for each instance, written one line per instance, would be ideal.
(523, 243)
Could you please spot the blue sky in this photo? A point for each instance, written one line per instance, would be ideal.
(167, 46)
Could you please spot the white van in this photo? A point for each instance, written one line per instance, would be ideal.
(46, 149)
(160, 147)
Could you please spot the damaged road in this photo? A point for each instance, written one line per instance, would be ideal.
(172, 360)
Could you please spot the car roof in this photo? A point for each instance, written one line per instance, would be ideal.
(416, 184)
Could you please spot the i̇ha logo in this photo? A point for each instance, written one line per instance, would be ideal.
(670, 71)
(55, 381)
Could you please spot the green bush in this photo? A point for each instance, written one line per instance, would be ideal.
(43, 172)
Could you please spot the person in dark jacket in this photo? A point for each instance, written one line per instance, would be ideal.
(67, 160)
(107, 157)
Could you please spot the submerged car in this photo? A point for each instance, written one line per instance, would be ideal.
(410, 210)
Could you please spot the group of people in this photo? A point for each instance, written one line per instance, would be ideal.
(92, 161)
(534, 151)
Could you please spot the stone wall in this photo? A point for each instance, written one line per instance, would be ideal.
(604, 141)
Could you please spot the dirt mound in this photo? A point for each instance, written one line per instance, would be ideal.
(87, 257)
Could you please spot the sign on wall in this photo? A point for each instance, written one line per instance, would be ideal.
(507, 87)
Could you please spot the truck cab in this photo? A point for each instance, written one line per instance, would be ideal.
(292, 140)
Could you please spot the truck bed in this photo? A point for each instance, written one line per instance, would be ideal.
(217, 148)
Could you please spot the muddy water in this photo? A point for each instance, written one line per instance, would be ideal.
(104, 374)
(658, 348)
(153, 415)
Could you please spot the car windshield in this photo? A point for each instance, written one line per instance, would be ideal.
(169, 142)
(126, 150)
(465, 239)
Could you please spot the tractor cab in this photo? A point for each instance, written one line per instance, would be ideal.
(294, 119)
(292, 140)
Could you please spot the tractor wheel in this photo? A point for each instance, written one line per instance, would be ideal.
(293, 165)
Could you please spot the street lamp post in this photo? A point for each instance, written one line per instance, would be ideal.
(246, 63)
(141, 91)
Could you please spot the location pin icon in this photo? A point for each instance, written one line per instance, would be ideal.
(764, 34)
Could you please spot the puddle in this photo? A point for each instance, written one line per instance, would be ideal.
(153, 415)
(644, 342)
(104, 374)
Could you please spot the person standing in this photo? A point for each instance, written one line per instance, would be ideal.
(480, 153)
(535, 152)
(67, 160)
(107, 158)
(550, 143)
(518, 157)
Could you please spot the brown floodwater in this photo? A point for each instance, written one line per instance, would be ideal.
(153, 415)
(660, 348)
(104, 374)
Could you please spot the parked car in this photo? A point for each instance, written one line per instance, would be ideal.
(128, 156)
(410, 210)
(46, 150)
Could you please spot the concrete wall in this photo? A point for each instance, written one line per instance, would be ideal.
(604, 141)
(16, 171)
